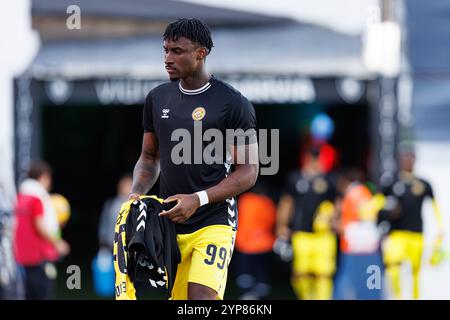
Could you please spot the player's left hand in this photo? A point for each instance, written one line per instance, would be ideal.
(185, 207)
(438, 254)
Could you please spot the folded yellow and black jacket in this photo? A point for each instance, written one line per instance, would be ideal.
(145, 248)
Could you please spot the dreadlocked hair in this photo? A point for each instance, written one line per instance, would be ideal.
(192, 29)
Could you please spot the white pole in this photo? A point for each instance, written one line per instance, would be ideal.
(19, 44)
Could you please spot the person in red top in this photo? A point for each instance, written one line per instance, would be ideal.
(254, 242)
(35, 245)
(355, 227)
(359, 240)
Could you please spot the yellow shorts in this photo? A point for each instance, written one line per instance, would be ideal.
(400, 246)
(205, 256)
(314, 253)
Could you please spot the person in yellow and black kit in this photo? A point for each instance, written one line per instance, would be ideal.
(305, 214)
(405, 239)
(175, 114)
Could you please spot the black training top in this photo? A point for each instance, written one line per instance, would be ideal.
(216, 105)
(410, 192)
(308, 194)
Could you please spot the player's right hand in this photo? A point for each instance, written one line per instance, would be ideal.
(62, 247)
(134, 196)
(283, 249)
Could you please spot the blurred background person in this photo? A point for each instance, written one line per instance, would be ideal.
(321, 132)
(405, 241)
(102, 264)
(305, 214)
(38, 242)
(254, 242)
(110, 211)
(359, 243)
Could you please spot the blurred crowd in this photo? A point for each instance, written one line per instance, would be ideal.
(344, 237)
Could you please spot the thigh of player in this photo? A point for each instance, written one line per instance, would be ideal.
(211, 255)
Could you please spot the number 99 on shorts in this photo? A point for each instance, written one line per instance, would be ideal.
(216, 255)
